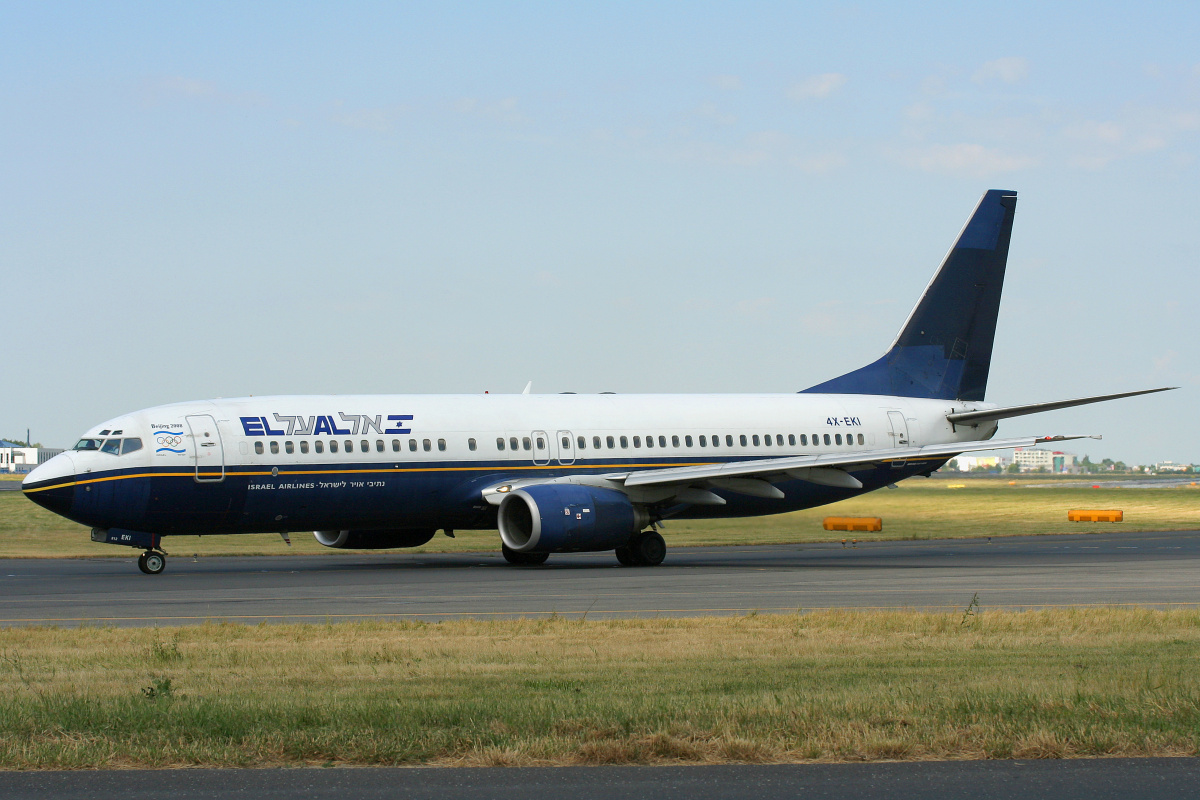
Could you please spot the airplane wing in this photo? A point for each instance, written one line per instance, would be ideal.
(755, 477)
(828, 469)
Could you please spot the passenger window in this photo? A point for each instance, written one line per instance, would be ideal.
(275, 448)
(779, 439)
(742, 439)
(716, 440)
(624, 442)
(333, 445)
(131, 446)
(499, 442)
(837, 438)
(687, 440)
(541, 443)
(674, 441)
(304, 447)
(792, 439)
(817, 439)
(861, 440)
(756, 440)
(596, 442)
(526, 443)
(767, 440)
(804, 440)
(471, 445)
(289, 448)
(512, 443)
(379, 445)
(412, 445)
(395, 445)
(320, 448)
(637, 441)
(649, 441)
(703, 440)
(258, 448)
(827, 438)
(610, 441)
(113, 446)
(428, 445)
(729, 440)
(442, 445)
(349, 446)
(365, 446)
(566, 443)
(662, 441)
(581, 442)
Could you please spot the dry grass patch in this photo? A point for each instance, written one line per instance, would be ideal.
(824, 686)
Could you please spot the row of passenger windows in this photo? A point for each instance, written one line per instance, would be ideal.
(766, 440)
(526, 443)
(364, 446)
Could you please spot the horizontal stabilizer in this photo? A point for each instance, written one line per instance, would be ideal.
(986, 415)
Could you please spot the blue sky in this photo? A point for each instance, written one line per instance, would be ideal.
(214, 200)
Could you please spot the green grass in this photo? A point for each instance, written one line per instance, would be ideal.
(919, 509)
(832, 686)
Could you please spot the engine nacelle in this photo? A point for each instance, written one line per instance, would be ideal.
(565, 518)
(374, 540)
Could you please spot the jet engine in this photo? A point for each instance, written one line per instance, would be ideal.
(375, 540)
(565, 518)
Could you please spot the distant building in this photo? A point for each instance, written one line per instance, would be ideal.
(970, 463)
(16, 457)
(1030, 459)
(1171, 466)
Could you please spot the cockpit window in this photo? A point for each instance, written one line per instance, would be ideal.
(111, 446)
(87, 444)
(131, 445)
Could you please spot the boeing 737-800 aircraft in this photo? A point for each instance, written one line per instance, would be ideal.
(555, 473)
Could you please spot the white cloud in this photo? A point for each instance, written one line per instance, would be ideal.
(727, 82)
(966, 159)
(1005, 70)
(818, 86)
(826, 162)
(178, 88)
(1089, 131)
(710, 112)
(379, 120)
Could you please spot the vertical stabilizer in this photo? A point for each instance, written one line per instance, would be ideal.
(944, 349)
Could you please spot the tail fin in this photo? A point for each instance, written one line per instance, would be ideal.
(944, 349)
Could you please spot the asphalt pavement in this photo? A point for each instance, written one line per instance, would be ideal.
(1159, 569)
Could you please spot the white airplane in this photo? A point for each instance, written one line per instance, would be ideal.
(555, 473)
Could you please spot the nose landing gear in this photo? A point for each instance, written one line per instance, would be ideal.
(152, 563)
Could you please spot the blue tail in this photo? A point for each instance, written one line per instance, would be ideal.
(944, 349)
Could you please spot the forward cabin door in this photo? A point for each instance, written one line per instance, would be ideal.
(208, 453)
(566, 447)
(899, 434)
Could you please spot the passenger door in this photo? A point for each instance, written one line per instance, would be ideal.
(208, 453)
(899, 434)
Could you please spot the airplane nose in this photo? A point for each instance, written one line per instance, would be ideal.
(52, 485)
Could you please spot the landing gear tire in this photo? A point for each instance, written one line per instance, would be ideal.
(625, 556)
(648, 549)
(152, 563)
(523, 559)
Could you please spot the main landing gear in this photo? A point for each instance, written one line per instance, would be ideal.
(523, 559)
(647, 549)
(151, 562)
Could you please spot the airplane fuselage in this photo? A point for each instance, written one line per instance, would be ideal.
(293, 463)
